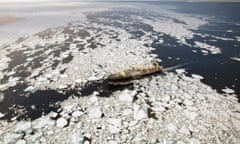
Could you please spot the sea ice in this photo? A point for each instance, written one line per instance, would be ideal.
(235, 58)
(61, 122)
(77, 114)
(95, 112)
(228, 90)
(139, 113)
(210, 48)
(127, 95)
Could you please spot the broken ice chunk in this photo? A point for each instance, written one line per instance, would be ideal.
(180, 71)
(95, 112)
(1, 115)
(235, 58)
(197, 76)
(78, 81)
(228, 90)
(77, 114)
(127, 96)
(139, 113)
(29, 89)
(62, 86)
(114, 121)
(62, 122)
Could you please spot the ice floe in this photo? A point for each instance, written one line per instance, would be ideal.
(181, 30)
(95, 112)
(30, 89)
(237, 38)
(228, 90)
(208, 48)
(235, 58)
(61, 122)
(127, 96)
(180, 71)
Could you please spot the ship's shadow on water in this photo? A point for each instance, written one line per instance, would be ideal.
(19, 105)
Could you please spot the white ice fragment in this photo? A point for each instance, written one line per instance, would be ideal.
(61, 122)
(132, 123)
(78, 81)
(92, 78)
(171, 128)
(188, 102)
(194, 51)
(237, 107)
(194, 141)
(77, 114)
(11, 73)
(87, 135)
(11, 138)
(238, 38)
(30, 59)
(61, 86)
(228, 90)
(65, 55)
(77, 138)
(43, 122)
(23, 126)
(112, 142)
(22, 141)
(72, 46)
(236, 123)
(86, 142)
(204, 51)
(139, 113)
(29, 89)
(197, 76)
(3, 86)
(166, 98)
(191, 115)
(114, 121)
(63, 75)
(180, 142)
(187, 97)
(1, 115)
(95, 112)
(184, 131)
(200, 96)
(13, 79)
(113, 129)
(160, 41)
(93, 98)
(174, 87)
(235, 58)
(68, 108)
(42, 79)
(127, 95)
(127, 112)
(50, 132)
(55, 72)
(160, 108)
(53, 114)
(183, 41)
(207, 47)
